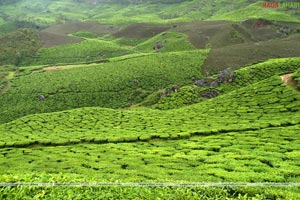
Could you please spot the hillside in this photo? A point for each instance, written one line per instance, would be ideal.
(62, 23)
(234, 137)
(122, 12)
(270, 103)
(115, 84)
(154, 99)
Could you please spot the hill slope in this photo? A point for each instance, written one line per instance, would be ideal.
(254, 40)
(250, 134)
(47, 12)
(130, 91)
(116, 84)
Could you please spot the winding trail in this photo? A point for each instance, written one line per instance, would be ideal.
(62, 67)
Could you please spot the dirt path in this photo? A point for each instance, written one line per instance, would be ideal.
(288, 79)
(62, 67)
(53, 68)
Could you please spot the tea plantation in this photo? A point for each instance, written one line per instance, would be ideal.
(86, 51)
(170, 41)
(168, 99)
(247, 135)
(115, 84)
(243, 77)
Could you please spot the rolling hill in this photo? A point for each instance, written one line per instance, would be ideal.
(123, 12)
(246, 135)
(115, 84)
(170, 99)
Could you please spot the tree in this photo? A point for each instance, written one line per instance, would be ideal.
(19, 46)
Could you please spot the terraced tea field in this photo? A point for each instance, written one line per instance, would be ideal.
(116, 12)
(166, 99)
(248, 135)
(169, 41)
(115, 84)
(269, 103)
(245, 156)
(86, 51)
(246, 76)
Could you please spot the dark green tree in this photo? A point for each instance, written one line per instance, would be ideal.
(19, 46)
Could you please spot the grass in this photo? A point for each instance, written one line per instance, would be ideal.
(199, 159)
(254, 73)
(85, 34)
(186, 95)
(296, 77)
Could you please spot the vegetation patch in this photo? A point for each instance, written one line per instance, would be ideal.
(18, 46)
(86, 51)
(166, 42)
(112, 100)
(115, 84)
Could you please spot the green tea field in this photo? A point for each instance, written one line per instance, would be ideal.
(169, 99)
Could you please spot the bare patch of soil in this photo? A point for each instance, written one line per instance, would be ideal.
(60, 67)
(54, 68)
(288, 79)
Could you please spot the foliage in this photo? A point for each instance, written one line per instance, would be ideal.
(115, 84)
(186, 95)
(6, 74)
(248, 135)
(89, 50)
(296, 77)
(240, 78)
(46, 12)
(256, 11)
(171, 41)
(18, 45)
(85, 34)
(254, 73)
(269, 103)
(176, 193)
